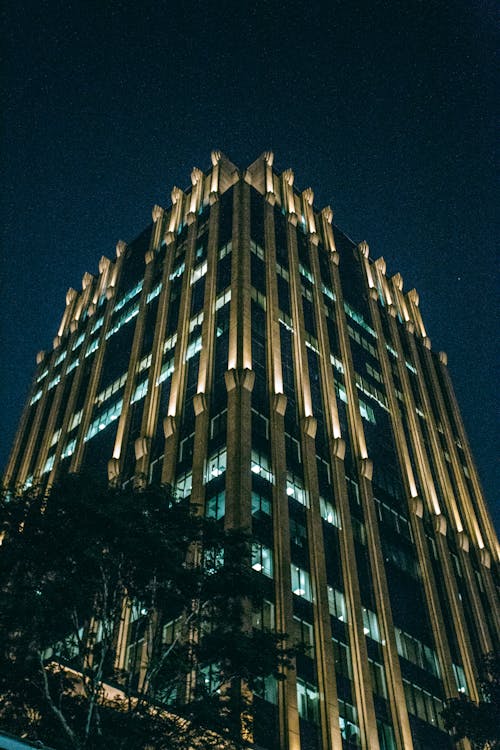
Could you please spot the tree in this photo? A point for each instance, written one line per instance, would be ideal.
(478, 722)
(123, 625)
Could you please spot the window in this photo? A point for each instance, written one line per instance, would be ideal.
(348, 722)
(154, 292)
(128, 296)
(105, 419)
(303, 634)
(262, 559)
(140, 391)
(342, 657)
(198, 272)
(260, 465)
(329, 513)
(183, 485)
(370, 624)
(308, 701)
(216, 464)
(379, 686)
(215, 506)
(295, 489)
(260, 505)
(301, 583)
(263, 618)
(337, 604)
(69, 448)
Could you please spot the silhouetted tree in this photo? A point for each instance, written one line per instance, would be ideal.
(78, 564)
(478, 722)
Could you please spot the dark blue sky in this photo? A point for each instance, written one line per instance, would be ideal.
(386, 109)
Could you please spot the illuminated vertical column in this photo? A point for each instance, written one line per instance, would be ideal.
(415, 507)
(201, 399)
(10, 470)
(176, 400)
(329, 711)
(28, 458)
(76, 385)
(239, 377)
(150, 415)
(397, 703)
(116, 462)
(429, 489)
(287, 690)
(110, 273)
(81, 302)
(463, 492)
(455, 466)
(488, 528)
(363, 693)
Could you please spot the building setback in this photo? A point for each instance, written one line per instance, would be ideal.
(247, 352)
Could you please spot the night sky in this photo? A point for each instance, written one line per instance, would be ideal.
(386, 109)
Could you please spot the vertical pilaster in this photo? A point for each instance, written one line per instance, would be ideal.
(329, 714)
(174, 412)
(287, 690)
(239, 377)
(395, 690)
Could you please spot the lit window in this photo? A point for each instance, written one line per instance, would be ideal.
(260, 505)
(54, 382)
(193, 348)
(260, 465)
(216, 464)
(49, 463)
(127, 297)
(336, 604)
(59, 359)
(36, 397)
(92, 346)
(183, 485)
(215, 506)
(329, 512)
(307, 701)
(166, 371)
(154, 293)
(69, 448)
(78, 341)
(295, 489)
(140, 391)
(97, 325)
(105, 419)
(198, 272)
(301, 583)
(262, 559)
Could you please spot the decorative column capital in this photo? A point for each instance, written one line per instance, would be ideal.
(215, 157)
(71, 294)
(157, 213)
(417, 507)
(40, 357)
(104, 264)
(199, 403)
(443, 358)
(366, 468)
(113, 469)
(87, 280)
(364, 248)
(440, 525)
(121, 246)
(169, 426)
(141, 447)
(485, 558)
(279, 403)
(397, 280)
(338, 448)
(463, 541)
(310, 425)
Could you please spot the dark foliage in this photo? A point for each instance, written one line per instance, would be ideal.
(480, 723)
(78, 564)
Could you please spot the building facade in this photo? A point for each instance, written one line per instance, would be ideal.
(247, 352)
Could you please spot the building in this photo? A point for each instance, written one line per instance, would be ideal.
(246, 351)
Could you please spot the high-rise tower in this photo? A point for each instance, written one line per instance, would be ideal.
(245, 351)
